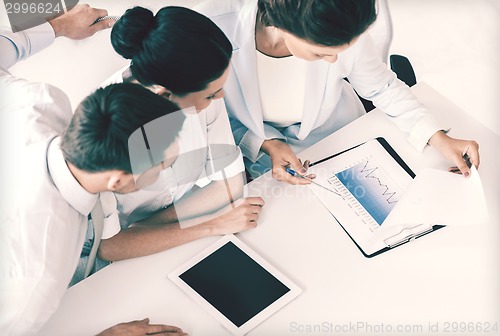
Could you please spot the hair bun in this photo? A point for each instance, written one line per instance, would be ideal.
(129, 33)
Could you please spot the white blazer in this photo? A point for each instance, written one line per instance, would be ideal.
(330, 102)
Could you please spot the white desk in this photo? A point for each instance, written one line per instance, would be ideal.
(451, 275)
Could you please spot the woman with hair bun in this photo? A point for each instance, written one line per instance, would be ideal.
(184, 57)
(287, 89)
(178, 52)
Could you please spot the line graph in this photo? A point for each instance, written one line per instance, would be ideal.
(371, 173)
(369, 188)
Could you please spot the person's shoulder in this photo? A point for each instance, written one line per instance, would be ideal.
(21, 93)
(29, 194)
(41, 110)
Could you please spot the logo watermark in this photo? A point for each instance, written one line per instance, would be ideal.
(370, 328)
(25, 14)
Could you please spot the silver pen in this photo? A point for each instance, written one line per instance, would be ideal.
(102, 18)
(294, 173)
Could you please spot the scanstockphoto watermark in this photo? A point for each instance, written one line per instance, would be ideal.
(369, 328)
(360, 327)
(25, 14)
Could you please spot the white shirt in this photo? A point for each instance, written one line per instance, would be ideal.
(43, 230)
(281, 88)
(208, 128)
(330, 102)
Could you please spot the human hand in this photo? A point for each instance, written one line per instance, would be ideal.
(141, 328)
(458, 151)
(238, 216)
(282, 156)
(77, 24)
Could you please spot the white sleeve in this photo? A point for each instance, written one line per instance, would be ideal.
(18, 46)
(223, 154)
(372, 80)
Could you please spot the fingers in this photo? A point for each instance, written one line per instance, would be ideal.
(279, 173)
(258, 201)
(462, 166)
(463, 153)
(306, 166)
(283, 157)
(104, 24)
(85, 12)
(296, 165)
(472, 151)
(250, 210)
(164, 329)
(468, 157)
(100, 12)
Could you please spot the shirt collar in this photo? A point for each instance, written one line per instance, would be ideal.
(71, 190)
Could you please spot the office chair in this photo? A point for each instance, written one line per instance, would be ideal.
(381, 32)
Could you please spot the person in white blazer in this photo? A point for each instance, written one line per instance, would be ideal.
(286, 88)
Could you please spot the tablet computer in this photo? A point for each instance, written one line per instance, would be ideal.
(234, 284)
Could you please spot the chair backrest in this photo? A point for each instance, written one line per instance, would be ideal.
(381, 30)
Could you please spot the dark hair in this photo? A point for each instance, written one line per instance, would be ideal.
(324, 22)
(177, 48)
(97, 137)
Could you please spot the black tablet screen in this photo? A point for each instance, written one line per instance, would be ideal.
(234, 283)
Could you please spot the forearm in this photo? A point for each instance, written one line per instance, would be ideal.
(210, 198)
(145, 239)
(201, 202)
(142, 240)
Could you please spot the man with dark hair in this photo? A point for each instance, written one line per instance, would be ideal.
(62, 171)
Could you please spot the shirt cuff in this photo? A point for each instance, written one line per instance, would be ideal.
(423, 130)
(250, 145)
(111, 226)
(111, 220)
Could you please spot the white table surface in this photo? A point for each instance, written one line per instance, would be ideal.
(451, 275)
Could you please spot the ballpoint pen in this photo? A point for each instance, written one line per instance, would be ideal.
(294, 173)
(111, 17)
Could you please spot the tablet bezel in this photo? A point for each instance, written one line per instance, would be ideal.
(294, 292)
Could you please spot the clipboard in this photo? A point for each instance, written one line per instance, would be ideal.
(381, 239)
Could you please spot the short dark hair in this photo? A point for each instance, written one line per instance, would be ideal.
(177, 48)
(97, 137)
(323, 22)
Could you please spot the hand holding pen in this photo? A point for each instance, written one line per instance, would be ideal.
(282, 156)
(81, 22)
(301, 178)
